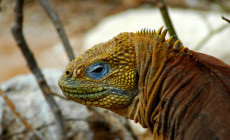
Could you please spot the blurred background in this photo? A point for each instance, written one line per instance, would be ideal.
(198, 24)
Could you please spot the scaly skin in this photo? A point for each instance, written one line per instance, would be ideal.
(175, 92)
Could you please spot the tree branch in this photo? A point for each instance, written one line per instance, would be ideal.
(224, 18)
(21, 42)
(164, 13)
(12, 107)
(58, 25)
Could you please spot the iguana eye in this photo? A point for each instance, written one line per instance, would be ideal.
(98, 70)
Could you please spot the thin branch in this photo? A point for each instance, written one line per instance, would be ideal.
(210, 35)
(12, 107)
(164, 13)
(58, 25)
(21, 42)
(224, 18)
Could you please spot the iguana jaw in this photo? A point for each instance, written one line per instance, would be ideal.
(106, 97)
(131, 111)
(95, 95)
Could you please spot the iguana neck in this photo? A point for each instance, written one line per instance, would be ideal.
(152, 55)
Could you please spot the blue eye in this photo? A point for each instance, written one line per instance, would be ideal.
(98, 70)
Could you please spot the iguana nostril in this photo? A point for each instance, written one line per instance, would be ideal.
(67, 72)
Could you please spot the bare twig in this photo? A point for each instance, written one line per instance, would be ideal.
(54, 17)
(21, 42)
(12, 107)
(164, 13)
(210, 35)
(224, 18)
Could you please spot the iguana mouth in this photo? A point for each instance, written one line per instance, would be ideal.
(73, 93)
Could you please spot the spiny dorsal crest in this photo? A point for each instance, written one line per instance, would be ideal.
(153, 33)
(146, 31)
(170, 43)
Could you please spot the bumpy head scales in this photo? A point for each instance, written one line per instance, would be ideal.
(104, 76)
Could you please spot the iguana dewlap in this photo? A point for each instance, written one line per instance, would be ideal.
(175, 92)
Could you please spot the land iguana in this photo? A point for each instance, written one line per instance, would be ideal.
(175, 92)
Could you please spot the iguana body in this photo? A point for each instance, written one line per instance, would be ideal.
(175, 92)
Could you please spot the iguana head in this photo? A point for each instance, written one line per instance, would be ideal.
(119, 74)
(104, 76)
